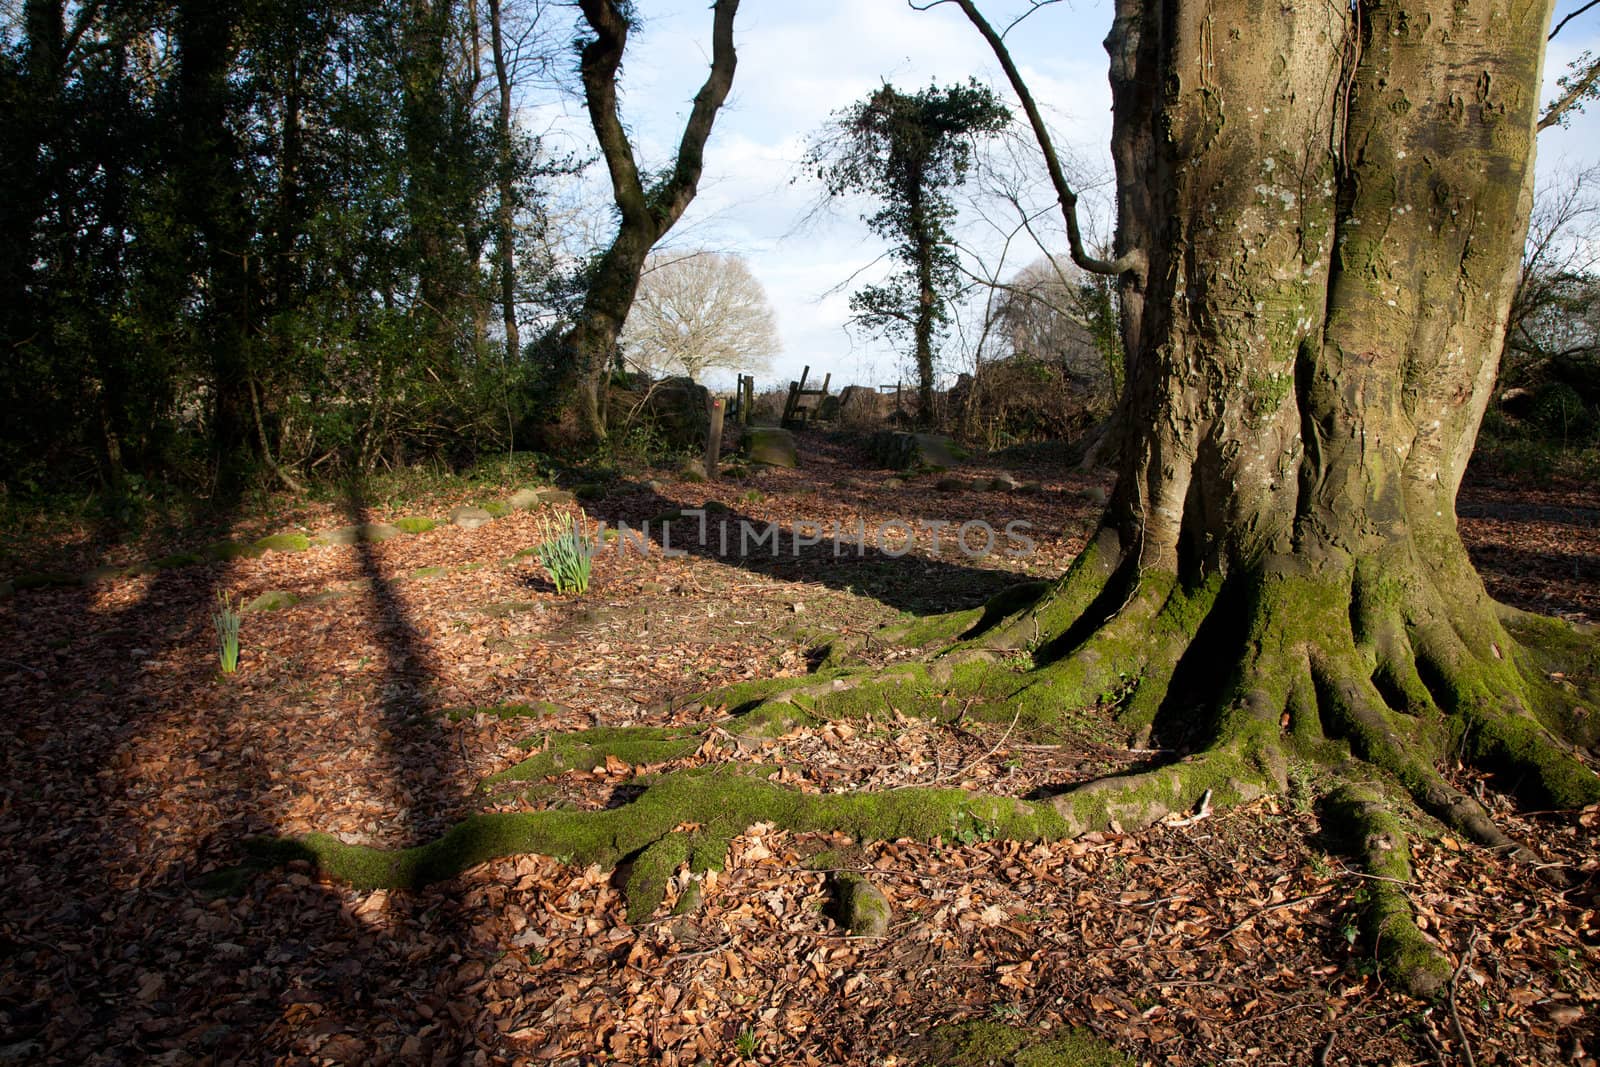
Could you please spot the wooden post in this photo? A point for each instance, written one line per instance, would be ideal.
(714, 438)
(747, 398)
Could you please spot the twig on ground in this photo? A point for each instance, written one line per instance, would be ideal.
(1455, 1013)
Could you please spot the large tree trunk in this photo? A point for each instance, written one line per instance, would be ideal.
(1332, 203)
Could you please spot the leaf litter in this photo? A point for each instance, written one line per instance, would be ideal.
(133, 771)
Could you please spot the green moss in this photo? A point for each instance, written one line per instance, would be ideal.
(931, 629)
(690, 899)
(584, 751)
(863, 909)
(725, 799)
(430, 572)
(273, 600)
(284, 542)
(497, 509)
(986, 1044)
(744, 696)
(1240, 771)
(416, 524)
(1549, 775)
(1376, 838)
(650, 871)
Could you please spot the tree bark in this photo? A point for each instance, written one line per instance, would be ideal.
(1331, 201)
(645, 215)
(216, 208)
(505, 217)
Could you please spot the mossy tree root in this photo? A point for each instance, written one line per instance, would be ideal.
(1327, 665)
(687, 816)
(1379, 842)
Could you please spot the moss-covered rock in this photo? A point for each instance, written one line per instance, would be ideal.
(359, 533)
(273, 600)
(524, 499)
(284, 542)
(470, 518)
(770, 447)
(863, 909)
(912, 451)
(415, 524)
(224, 551)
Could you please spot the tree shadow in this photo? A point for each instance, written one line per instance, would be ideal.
(869, 559)
(133, 772)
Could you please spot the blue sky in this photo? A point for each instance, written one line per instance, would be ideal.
(801, 60)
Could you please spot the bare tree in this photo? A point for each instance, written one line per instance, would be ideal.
(646, 209)
(1053, 312)
(698, 310)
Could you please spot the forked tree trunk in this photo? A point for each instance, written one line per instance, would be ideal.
(644, 214)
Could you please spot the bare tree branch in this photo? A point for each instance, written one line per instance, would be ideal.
(1134, 260)
(1570, 17)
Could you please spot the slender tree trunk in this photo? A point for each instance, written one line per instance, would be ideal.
(505, 216)
(927, 300)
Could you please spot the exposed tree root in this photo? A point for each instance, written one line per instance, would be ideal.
(1379, 843)
(1367, 677)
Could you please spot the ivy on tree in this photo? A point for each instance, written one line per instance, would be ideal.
(908, 151)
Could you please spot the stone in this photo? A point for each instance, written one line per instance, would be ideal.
(470, 518)
(1030, 488)
(525, 499)
(770, 446)
(1095, 495)
(693, 470)
(349, 535)
(556, 496)
(951, 484)
(1003, 483)
(909, 451)
(273, 600)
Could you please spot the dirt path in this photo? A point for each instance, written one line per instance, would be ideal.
(132, 771)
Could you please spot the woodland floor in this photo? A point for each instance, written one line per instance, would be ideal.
(132, 769)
